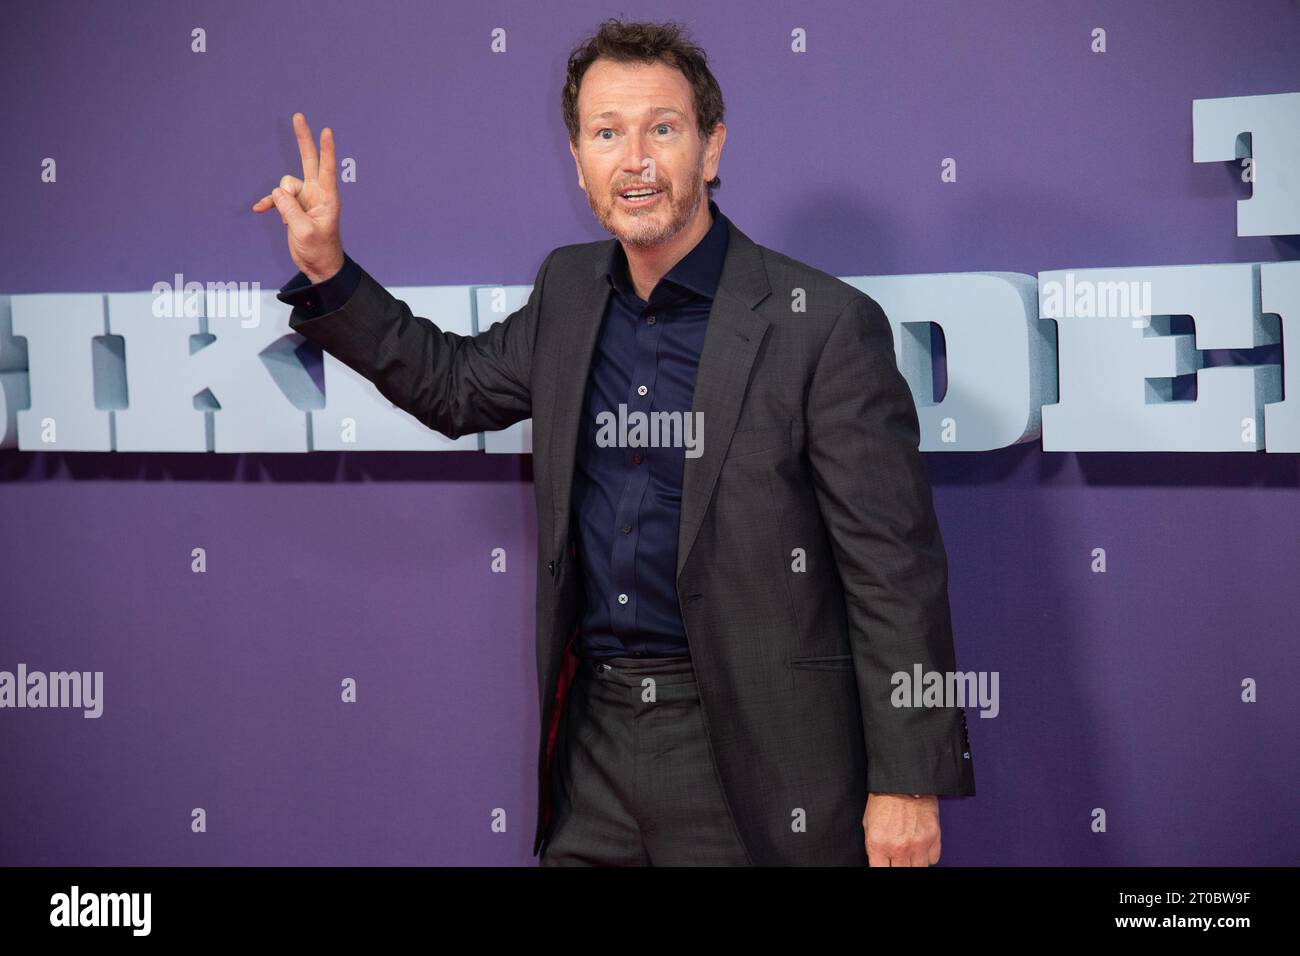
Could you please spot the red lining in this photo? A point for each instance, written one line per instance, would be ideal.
(564, 682)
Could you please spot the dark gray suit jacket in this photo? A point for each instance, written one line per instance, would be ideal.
(810, 563)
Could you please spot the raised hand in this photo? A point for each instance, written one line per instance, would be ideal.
(309, 206)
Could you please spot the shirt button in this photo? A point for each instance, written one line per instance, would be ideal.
(641, 389)
(650, 320)
(622, 599)
(627, 529)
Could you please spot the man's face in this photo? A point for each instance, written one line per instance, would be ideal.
(637, 129)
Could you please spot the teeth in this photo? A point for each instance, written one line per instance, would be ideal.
(640, 193)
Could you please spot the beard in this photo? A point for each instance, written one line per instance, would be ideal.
(650, 227)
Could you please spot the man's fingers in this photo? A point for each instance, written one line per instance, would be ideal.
(290, 184)
(325, 175)
(306, 146)
(290, 211)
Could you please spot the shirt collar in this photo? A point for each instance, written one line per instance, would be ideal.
(698, 271)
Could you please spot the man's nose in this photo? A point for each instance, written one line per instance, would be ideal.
(634, 154)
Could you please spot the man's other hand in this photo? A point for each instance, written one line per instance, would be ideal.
(901, 829)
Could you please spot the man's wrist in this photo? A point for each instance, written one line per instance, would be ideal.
(317, 278)
(314, 299)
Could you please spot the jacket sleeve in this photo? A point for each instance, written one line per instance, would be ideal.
(316, 299)
(875, 500)
(454, 384)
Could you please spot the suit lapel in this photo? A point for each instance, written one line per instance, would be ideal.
(731, 342)
(578, 332)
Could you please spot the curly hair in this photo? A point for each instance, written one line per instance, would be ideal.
(646, 42)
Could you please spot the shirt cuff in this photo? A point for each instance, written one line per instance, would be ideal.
(325, 296)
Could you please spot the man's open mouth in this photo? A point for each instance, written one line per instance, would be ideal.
(640, 196)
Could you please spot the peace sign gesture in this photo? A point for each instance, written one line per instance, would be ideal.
(309, 207)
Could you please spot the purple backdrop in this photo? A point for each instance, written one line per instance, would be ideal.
(1118, 691)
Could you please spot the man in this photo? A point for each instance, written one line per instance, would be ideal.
(720, 614)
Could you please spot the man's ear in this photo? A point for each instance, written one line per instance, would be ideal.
(578, 165)
(713, 151)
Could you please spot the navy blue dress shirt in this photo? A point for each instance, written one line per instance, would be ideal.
(626, 500)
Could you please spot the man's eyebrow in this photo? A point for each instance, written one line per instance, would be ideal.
(608, 114)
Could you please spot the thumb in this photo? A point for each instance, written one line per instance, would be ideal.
(291, 213)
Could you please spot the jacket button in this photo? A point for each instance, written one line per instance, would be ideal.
(550, 566)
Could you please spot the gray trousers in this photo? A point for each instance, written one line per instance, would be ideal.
(634, 783)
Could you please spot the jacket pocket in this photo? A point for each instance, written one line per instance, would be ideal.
(835, 662)
(755, 441)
